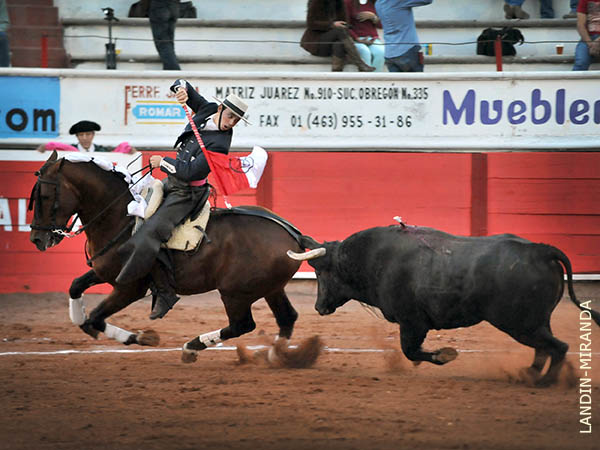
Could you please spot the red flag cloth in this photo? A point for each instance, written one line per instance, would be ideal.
(227, 171)
(234, 174)
(230, 173)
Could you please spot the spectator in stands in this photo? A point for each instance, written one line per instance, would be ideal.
(4, 24)
(363, 29)
(85, 131)
(588, 27)
(513, 10)
(573, 13)
(163, 16)
(400, 34)
(327, 35)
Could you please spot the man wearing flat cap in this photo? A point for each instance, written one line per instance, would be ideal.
(186, 190)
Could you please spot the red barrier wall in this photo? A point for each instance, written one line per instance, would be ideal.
(547, 197)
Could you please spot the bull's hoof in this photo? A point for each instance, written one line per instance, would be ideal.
(529, 376)
(444, 355)
(89, 329)
(545, 382)
(148, 338)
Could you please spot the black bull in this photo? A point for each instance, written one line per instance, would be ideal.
(426, 279)
(245, 258)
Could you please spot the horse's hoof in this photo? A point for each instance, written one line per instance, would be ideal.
(444, 355)
(89, 329)
(148, 338)
(189, 356)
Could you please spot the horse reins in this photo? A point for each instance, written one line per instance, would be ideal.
(66, 231)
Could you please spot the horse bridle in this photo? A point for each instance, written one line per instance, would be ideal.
(66, 231)
(35, 192)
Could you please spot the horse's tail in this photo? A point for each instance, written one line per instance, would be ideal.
(557, 254)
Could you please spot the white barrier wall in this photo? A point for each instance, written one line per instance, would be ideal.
(315, 111)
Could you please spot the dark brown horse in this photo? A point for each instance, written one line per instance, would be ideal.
(244, 257)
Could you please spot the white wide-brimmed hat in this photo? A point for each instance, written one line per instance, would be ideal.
(236, 105)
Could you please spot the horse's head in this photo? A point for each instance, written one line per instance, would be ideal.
(53, 201)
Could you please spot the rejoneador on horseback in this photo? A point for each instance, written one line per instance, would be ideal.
(186, 191)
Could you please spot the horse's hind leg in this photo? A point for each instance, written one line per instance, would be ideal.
(284, 313)
(118, 299)
(240, 322)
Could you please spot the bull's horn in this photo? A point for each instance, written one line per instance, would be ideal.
(312, 254)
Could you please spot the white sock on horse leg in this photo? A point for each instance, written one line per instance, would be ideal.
(210, 339)
(77, 311)
(117, 333)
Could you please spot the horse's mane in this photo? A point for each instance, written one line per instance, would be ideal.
(63, 160)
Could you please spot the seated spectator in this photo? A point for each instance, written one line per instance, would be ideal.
(363, 29)
(85, 131)
(573, 13)
(327, 35)
(513, 10)
(588, 27)
(400, 34)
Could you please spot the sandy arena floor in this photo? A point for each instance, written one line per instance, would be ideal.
(97, 398)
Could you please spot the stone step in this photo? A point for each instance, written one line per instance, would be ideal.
(268, 40)
(432, 64)
(33, 15)
(32, 57)
(31, 36)
(12, 3)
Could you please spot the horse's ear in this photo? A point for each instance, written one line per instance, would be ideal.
(53, 156)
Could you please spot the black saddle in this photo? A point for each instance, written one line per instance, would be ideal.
(265, 214)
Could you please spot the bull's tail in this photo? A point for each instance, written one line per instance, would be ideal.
(560, 256)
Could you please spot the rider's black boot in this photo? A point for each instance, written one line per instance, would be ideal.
(162, 292)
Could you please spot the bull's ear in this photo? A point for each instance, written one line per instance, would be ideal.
(53, 156)
(308, 242)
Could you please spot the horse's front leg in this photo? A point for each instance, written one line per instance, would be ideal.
(240, 322)
(118, 299)
(76, 305)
